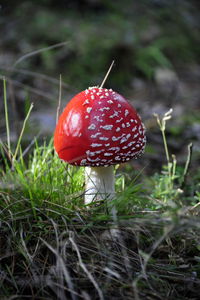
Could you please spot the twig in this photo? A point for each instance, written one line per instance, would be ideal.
(39, 51)
(31, 89)
(35, 74)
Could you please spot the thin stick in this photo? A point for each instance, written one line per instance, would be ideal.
(59, 99)
(107, 74)
(6, 115)
(30, 145)
(32, 90)
(35, 74)
(39, 51)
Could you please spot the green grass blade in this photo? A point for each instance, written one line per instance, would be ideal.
(6, 114)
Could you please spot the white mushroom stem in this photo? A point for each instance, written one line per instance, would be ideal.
(99, 183)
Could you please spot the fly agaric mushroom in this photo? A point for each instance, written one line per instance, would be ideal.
(98, 129)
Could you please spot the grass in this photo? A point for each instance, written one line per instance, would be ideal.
(53, 247)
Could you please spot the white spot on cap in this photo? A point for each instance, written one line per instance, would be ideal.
(116, 149)
(91, 153)
(118, 129)
(94, 136)
(88, 109)
(104, 108)
(114, 138)
(94, 160)
(98, 152)
(107, 127)
(110, 101)
(126, 112)
(119, 105)
(131, 143)
(83, 161)
(86, 117)
(86, 102)
(108, 154)
(117, 158)
(92, 127)
(117, 121)
(114, 115)
(134, 129)
(103, 138)
(92, 97)
(98, 118)
(96, 145)
(123, 140)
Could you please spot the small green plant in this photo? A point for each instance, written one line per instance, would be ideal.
(166, 182)
(169, 184)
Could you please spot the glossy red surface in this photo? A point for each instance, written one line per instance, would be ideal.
(99, 127)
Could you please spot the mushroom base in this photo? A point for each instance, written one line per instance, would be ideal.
(99, 183)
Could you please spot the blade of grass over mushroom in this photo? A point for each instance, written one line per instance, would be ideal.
(107, 74)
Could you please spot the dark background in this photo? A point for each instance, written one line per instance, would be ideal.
(155, 45)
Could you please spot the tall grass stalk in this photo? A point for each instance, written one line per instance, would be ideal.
(171, 164)
(59, 99)
(6, 115)
(162, 125)
(21, 134)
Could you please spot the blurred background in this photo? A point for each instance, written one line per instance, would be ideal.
(156, 48)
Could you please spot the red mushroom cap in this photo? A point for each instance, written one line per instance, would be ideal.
(99, 128)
